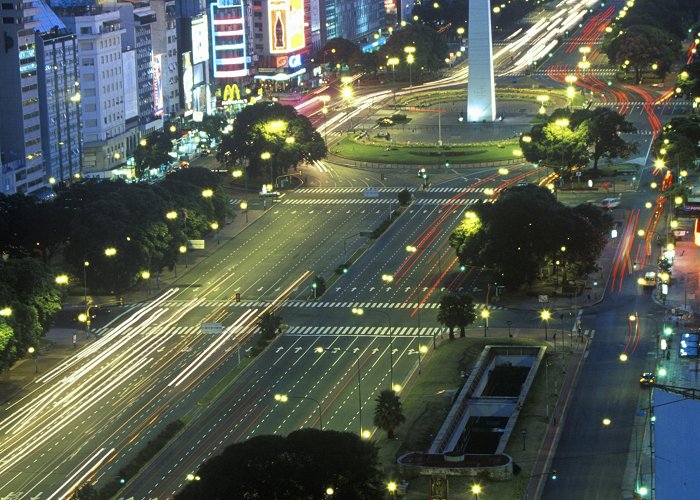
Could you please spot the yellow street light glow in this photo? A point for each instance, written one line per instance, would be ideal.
(496, 9)
(543, 98)
(570, 78)
(290, 140)
(207, 193)
(541, 110)
(527, 138)
(5, 312)
(678, 200)
(62, 279)
(670, 247)
(346, 80)
(411, 249)
(423, 349)
(503, 171)
(347, 93)
(388, 278)
(476, 489)
(282, 398)
(545, 315)
(470, 215)
(358, 311)
(171, 215)
(409, 50)
(563, 248)
(674, 224)
(584, 64)
(366, 434)
(684, 173)
(485, 313)
(324, 98)
(410, 59)
(237, 174)
(570, 92)
(143, 142)
(319, 349)
(562, 122)
(666, 141)
(460, 31)
(654, 66)
(640, 232)
(393, 61)
(392, 486)
(277, 125)
(265, 156)
(268, 187)
(659, 163)
(244, 205)
(145, 275)
(182, 249)
(623, 357)
(110, 252)
(396, 388)
(607, 421)
(647, 204)
(653, 185)
(173, 128)
(489, 191)
(517, 152)
(632, 317)
(82, 317)
(550, 186)
(31, 350)
(330, 491)
(214, 225)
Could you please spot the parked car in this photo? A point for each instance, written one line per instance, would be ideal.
(609, 203)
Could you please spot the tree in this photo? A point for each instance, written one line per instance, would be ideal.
(338, 51)
(152, 152)
(556, 143)
(269, 324)
(467, 313)
(302, 465)
(318, 286)
(86, 492)
(431, 49)
(213, 125)
(452, 312)
(388, 414)
(641, 46)
(604, 126)
(404, 197)
(286, 137)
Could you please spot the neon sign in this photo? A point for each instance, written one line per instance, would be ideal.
(286, 25)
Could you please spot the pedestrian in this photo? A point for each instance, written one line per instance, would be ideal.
(75, 340)
(589, 297)
(554, 338)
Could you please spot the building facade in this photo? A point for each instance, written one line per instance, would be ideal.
(20, 144)
(165, 56)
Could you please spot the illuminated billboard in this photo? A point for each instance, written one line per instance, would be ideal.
(157, 64)
(200, 40)
(228, 39)
(286, 25)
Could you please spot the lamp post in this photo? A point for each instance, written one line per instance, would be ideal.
(476, 489)
(359, 381)
(183, 250)
(146, 275)
(35, 353)
(544, 316)
(215, 227)
(324, 99)
(393, 61)
(266, 156)
(237, 174)
(358, 311)
(283, 398)
(410, 59)
(347, 95)
(485, 315)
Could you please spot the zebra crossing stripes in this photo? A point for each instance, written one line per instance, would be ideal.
(372, 331)
(378, 201)
(335, 190)
(308, 304)
(448, 201)
(352, 190)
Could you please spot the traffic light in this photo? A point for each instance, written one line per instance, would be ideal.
(462, 267)
(553, 475)
(447, 163)
(314, 285)
(461, 116)
(344, 268)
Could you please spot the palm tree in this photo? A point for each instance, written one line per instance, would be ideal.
(388, 414)
(449, 314)
(269, 323)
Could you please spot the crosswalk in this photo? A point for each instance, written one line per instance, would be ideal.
(310, 304)
(353, 190)
(371, 331)
(379, 201)
(319, 331)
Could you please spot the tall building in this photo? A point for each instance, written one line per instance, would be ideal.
(165, 56)
(59, 97)
(196, 94)
(102, 90)
(228, 39)
(354, 19)
(20, 138)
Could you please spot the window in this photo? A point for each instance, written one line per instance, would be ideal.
(85, 30)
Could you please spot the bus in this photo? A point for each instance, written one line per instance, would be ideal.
(697, 232)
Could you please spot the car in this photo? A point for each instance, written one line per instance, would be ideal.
(649, 279)
(385, 122)
(647, 379)
(609, 203)
(522, 184)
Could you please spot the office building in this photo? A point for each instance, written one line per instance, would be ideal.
(165, 56)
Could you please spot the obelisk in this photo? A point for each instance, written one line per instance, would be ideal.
(481, 93)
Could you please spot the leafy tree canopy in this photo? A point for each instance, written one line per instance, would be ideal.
(430, 53)
(302, 465)
(604, 126)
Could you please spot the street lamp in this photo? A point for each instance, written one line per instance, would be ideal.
(5, 312)
(146, 275)
(391, 487)
(215, 227)
(207, 193)
(108, 252)
(358, 311)
(422, 349)
(61, 279)
(485, 315)
(324, 99)
(244, 207)
(35, 354)
(283, 398)
(393, 61)
(265, 155)
(545, 315)
(476, 489)
(542, 99)
(183, 249)
(364, 434)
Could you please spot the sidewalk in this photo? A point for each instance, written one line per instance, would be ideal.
(57, 345)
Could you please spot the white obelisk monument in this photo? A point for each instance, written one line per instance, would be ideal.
(481, 93)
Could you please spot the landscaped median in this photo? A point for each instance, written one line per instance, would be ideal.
(380, 151)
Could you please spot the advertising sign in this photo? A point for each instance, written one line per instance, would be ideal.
(286, 25)
(187, 79)
(157, 84)
(231, 94)
(200, 40)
